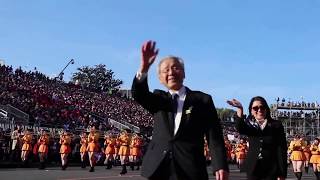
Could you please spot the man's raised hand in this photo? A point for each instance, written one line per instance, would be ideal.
(148, 55)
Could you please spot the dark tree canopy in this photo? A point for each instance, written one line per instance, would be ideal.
(97, 78)
(225, 114)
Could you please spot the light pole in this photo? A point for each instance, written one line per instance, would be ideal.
(60, 76)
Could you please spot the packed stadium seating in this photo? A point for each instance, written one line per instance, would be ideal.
(57, 103)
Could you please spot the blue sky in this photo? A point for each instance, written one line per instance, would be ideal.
(231, 48)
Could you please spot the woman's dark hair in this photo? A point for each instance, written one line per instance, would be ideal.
(264, 104)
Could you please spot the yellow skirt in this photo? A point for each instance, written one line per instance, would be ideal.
(109, 150)
(124, 151)
(83, 148)
(241, 155)
(26, 147)
(43, 148)
(315, 159)
(93, 147)
(65, 149)
(297, 156)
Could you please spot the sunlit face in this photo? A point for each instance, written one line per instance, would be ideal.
(258, 110)
(171, 74)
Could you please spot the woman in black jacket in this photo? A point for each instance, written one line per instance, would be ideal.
(267, 155)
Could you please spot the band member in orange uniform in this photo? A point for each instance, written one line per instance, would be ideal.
(241, 152)
(124, 150)
(135, 151)
(110, 143)
(116, 149)
(297, 156)
(65, 149)
(26, 147)
(228, 148)
(93, 147)
(83, 148)
(307, 154)
(315, 157)
(206, 151)
(43, 148)
(233, 153)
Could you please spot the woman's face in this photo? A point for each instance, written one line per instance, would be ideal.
(258, 110)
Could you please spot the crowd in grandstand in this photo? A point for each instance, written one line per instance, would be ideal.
(49, 101)
(297, 114)
(297, 104)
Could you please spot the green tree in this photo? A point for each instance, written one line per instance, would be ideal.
(225, 114)
(97, 78)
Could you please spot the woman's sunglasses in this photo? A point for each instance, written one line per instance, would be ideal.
(256, 108)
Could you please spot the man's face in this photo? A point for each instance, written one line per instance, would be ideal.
(171, 74)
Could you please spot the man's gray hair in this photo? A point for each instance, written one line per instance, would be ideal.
(180, 60)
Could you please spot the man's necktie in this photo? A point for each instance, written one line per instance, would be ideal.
(174, 99)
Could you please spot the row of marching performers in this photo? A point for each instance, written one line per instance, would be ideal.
(302, 153)
(126, 146)
(236, 151)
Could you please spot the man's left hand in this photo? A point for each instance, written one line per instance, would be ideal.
(222, 174)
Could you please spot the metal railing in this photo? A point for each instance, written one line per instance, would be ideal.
(124, 125)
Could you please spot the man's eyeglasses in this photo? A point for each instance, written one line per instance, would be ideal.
(256, 108)
(174, 69)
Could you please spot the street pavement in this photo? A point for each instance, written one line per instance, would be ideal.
(76, 173)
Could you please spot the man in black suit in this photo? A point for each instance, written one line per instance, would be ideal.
(182, 118)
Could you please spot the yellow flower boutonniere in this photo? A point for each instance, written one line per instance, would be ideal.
(188, 111)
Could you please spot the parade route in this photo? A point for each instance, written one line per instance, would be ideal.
(76, 173)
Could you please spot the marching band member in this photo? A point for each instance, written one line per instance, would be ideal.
(315, 157)
(65, 149)
(307, 154)
(83, 148)
(228, 148)
(206, 151)
(135, 151)
(241, 152)
(124, 150)
(15, 140)
(233, 153)
(43, 148)
(110, 143)
(26, 147)
(116, 149)
(93, 147)
(297, 156)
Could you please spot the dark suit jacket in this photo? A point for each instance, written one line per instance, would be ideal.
(270, 142)
(199, 118)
